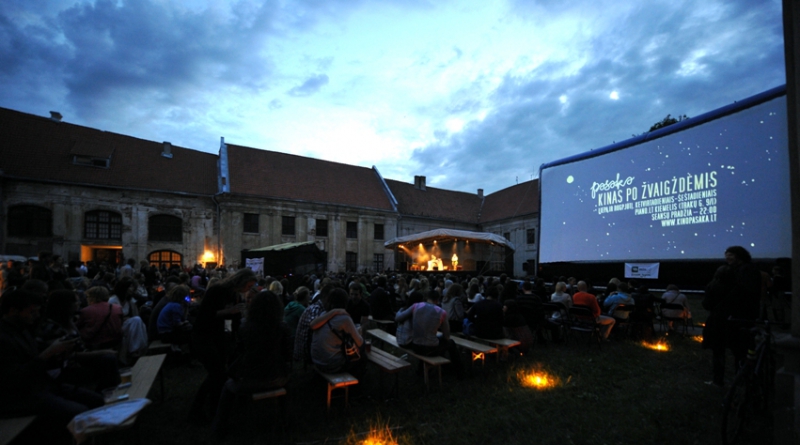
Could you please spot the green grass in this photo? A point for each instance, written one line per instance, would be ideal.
(621, 394)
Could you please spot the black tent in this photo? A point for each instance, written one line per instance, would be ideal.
(287, 259)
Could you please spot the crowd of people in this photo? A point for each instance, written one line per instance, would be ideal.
(248, 331)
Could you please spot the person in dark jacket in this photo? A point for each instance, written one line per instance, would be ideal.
(732, 299)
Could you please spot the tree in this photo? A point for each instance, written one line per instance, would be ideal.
(669, 120)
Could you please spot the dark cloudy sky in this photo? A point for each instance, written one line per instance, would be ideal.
(472, 94)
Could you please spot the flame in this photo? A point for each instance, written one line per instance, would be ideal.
(660, 346)
(698, 338)
(478, 356)
(379, 435)
(537, 379)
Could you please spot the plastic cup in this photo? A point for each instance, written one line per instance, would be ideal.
(108, 396)
(125, 375)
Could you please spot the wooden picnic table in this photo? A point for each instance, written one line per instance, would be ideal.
(427, 361)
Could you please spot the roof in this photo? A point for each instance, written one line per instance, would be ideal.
(446, 234)
(435, 203)
(39, 148)
(520, 199)
(272, 174)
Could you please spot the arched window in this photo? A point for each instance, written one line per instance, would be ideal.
(165, 228)
(165, 257)
(102, 224)
(30, 221)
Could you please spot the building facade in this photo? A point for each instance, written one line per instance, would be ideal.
(90, 195)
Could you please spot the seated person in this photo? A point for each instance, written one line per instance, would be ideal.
(295, 308)
(357, 306)
(265, 354)
(427, 319)
(673, 295)
(172, 325)
(561, 296)
(515, 327)
(620, 297)
(405, 330)
(453, 304)
(97, 369)
(123, 295)
(487, 317)
(100, 323)
(582, 297)
(26, 388)
(328, 332)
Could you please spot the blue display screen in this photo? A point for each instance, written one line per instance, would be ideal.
(686, 195)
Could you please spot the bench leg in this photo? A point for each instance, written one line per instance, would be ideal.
(330, 389)
(440, 375)
(425, 371)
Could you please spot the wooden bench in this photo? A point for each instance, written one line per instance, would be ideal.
(335, 381)
(11, 428)
(502, 344)
(478, 350)
(159, 347)
(389, 364)
(427, 362)
(275, 394)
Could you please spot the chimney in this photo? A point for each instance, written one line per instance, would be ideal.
(167, 153)
(480, 193)
(56, 116)
(419, 183)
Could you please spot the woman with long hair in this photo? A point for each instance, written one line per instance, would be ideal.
(264, 348)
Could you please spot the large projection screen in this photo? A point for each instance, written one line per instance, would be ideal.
(687, 195)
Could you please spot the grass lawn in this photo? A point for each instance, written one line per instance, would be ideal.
(624, 393)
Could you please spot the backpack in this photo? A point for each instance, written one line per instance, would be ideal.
(350, 350)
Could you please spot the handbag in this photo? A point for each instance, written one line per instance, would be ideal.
(349, 347)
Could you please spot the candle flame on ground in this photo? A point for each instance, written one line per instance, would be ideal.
(698, 338)
(660, 346)
(380, 435)
(537, 379)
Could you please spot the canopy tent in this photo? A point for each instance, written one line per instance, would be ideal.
(286, 259)
(449, 234)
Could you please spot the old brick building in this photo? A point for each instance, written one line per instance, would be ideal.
(87, 194)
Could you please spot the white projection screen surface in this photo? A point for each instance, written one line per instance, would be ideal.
(685, 196)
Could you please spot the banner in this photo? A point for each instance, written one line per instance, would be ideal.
(642, 270)
(256, 264)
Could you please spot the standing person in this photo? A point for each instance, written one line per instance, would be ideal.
(211, 344)
(357, 306)
(381, 303)
(733, 294)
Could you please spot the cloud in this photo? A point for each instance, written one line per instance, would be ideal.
(309, 86)
(528, 124)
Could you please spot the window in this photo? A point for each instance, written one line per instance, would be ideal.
(101, 224)
(507, 236)
(351, 261)
(30, 221)
(377, 262)
(352, 229)
(378, 232)
(165, 228)
(531, 236)
(287, 225)
(322, 227)
(165, 257)
(250, 223)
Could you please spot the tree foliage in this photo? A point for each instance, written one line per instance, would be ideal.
(669, 120)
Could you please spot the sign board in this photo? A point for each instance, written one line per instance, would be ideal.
(642, 270)
(256, 264)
